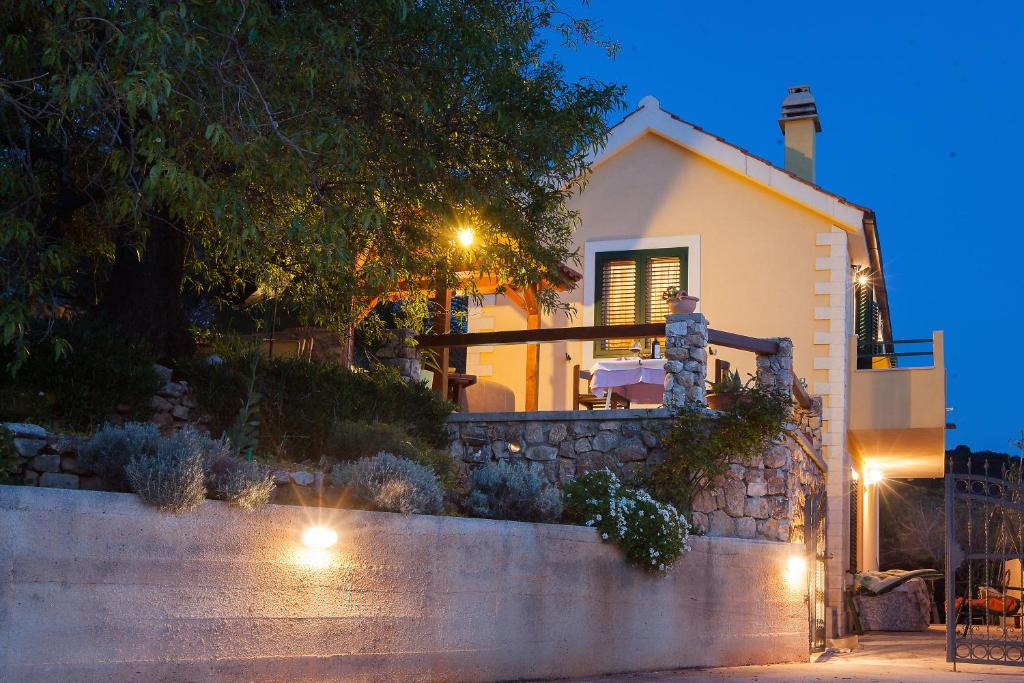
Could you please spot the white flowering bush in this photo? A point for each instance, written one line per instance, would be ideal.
(652, 534)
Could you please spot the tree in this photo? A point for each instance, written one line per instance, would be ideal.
(152, 150)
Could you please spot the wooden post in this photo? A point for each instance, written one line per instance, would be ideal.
(442, 325)
(532, 351)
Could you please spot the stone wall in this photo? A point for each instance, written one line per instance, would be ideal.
(763, 498)
(99, 587)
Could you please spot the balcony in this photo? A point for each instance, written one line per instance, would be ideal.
(897, 414)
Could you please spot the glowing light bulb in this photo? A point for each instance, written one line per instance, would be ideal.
(466, 237)
(319, 537)
(796, 571)
(874, 475)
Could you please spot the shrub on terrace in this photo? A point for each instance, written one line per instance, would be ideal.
(651, 534)
(503, 491)
(392, 484)
(352, 440)
(301, 402)
(81, 388)
(170, 478)
(107, 452)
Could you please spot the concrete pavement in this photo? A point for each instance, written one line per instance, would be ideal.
(889, 657)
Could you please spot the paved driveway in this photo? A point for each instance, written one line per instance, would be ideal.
(904, 657)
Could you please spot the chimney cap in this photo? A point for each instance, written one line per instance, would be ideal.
(799, 104)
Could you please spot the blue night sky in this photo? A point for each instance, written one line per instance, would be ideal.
(921, 110)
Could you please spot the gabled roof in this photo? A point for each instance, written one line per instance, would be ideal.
(649, 117)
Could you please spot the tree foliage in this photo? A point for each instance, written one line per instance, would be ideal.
(324, 152)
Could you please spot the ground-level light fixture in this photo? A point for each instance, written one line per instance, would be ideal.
(796, 571)
(466, 237)
(319, 537)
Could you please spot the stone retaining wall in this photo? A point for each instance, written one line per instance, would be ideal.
(763, 498)
(99, 587)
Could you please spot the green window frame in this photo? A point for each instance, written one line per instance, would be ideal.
(650, 271)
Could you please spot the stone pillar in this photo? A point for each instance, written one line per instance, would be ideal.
(776, 369)
(686, 364)
(400, 351)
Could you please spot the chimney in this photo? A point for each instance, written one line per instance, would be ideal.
(800, 125)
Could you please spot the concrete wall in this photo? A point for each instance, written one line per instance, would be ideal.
(97, 587)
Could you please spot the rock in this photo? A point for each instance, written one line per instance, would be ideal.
(559, 432)
(704, 502)
(161, 404)
(699, 521)
(281, 477)
(64, 444)
(123, 408)
(28, 448)
(163, 373)
(541, 453)
(605, 441)
(26, 430)
(69, 463)
(566, 469)
(162, 419)
(584, 428)
(180, 412)
(746, 527)
(735, 494)
(777, 456)
(632, 449)
(173, 390)
(583, 445)
(757, 488)
(534, 433)
(48, 462)
(721, 524)
(757, 508)
(59, 481)
(650, 439)
(31, 478)
(303, 478)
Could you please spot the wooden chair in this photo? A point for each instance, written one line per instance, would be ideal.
(588, 399)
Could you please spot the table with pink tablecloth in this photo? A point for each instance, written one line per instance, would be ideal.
(639, 380)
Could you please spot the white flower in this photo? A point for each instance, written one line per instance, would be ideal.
(661, 567)
(604, 536)
(598, 517)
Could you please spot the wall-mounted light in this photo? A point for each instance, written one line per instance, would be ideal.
(796, 571)
(873, 475)
(862, 279)
(466, 237)
(319, 537)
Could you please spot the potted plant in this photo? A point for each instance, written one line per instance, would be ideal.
(679, 301)
(723, 393)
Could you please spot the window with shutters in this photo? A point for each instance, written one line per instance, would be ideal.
(629, 285)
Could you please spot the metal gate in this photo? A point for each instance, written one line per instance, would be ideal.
(817, 510)
(984, 548)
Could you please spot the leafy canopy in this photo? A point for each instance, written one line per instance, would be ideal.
(324, 150)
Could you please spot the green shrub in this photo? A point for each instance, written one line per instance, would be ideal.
(390, 483)
(171, 478)
(700, 443)
(82, 388)
(352, 440)
(503, 491)
(9, 460)
(240, 482)
(107, 452)
(300, 402)
(651, 534)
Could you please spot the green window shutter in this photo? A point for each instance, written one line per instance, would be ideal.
(628, 289)
(618, 292)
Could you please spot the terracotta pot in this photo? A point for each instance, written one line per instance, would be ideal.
(688, 304)
(721, 401)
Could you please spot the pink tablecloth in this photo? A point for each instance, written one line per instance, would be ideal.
(641, 381)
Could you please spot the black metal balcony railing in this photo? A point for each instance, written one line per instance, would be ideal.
(884, 354)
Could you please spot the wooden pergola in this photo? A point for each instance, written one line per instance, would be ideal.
(525, 298)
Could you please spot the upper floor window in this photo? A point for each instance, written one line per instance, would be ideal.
(628, 289)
